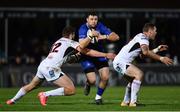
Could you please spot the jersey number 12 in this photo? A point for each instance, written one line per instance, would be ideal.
(55, 46)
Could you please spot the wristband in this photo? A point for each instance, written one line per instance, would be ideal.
(155, 50)
(159, 47)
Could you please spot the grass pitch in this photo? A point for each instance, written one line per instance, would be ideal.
(153, 98)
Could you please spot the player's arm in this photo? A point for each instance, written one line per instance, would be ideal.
(85, 41)
(74, 58)
(112, 37)
(94, 53)
(148, 53)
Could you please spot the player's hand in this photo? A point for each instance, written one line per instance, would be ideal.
(94, 33)
(166, 60)
(110, 55)
(162, 48)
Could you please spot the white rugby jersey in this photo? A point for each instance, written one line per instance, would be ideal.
(58, 51)
(130, 51)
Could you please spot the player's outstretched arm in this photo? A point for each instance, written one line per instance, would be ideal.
(84, 42)
(112, 37)
(94, 53)
(166, 60)
(148, 53)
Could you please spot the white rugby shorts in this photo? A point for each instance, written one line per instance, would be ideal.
(120, 66)
(49, 73)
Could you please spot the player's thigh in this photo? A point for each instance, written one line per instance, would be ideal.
(133, 71)
(64, 81)
(103, 69)
(104, 73)
(91, 77)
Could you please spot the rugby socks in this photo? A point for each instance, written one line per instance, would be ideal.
(99, 93)
(55, 92)
(127, 96)
(134, 90)
(18, 95)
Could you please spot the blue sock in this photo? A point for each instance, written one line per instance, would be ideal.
(100, 91)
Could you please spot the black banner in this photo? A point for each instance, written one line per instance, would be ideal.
(16, 76)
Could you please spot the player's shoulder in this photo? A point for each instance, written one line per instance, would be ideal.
(64, 40)
(68, 42)
(83, 26)
(141, 36)
(100, 24)
(73, 42)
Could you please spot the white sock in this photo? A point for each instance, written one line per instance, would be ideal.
(98, 97)
(19, 94)
(127, 95)
(55, 92)
(134, 90)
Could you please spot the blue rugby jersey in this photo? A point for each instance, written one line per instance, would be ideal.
(101, 28)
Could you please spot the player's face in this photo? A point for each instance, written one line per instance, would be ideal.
(92, 21)
(153, 33)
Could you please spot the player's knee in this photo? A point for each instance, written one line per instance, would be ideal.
(69, 90)
(139, 75)
(92, 82)
(105, 78)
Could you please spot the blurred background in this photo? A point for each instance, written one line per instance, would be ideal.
(28, 29)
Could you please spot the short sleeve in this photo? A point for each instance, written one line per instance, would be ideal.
(103, 29)
(74, 44)
(83, 32)
(143, 40)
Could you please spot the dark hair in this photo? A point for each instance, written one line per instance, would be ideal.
(67, 31)
(92, 13)
(148, 26)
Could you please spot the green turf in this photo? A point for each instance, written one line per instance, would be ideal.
(154, 99)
